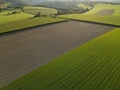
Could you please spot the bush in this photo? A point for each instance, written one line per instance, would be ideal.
(44, 15)
(9, 13)
(14, 12)
(0, 9)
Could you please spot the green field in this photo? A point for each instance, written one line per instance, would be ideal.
(100, 7)
(42, 10)
(4, 18)
(26, 23)
(92, 66)
(113, 19)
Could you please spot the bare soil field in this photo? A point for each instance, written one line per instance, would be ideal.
(105, 12)
(24, 51)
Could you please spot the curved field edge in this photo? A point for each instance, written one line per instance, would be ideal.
(107, 20)
(94, 65)
(42, 10)
(28, 23)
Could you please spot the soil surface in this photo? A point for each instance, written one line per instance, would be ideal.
(24, 51)
(105, 12)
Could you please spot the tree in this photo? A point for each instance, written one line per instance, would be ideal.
(38, 14)
(0, 9)
(22, 8)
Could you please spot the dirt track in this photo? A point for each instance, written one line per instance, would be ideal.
(105, 12)
(24, 51)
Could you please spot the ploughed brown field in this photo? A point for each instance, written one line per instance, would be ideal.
(105, 12)
(24, 51)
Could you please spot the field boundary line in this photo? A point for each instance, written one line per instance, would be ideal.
(31, 27)
(93, 22)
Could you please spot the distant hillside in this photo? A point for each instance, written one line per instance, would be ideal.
(13, 2)
(34, 2)
(58, 4)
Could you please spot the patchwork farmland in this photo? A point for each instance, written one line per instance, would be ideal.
(94, 65)
(111, 15)
(100, 7)
(42, 44)
(63, 52)
(105, 12)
